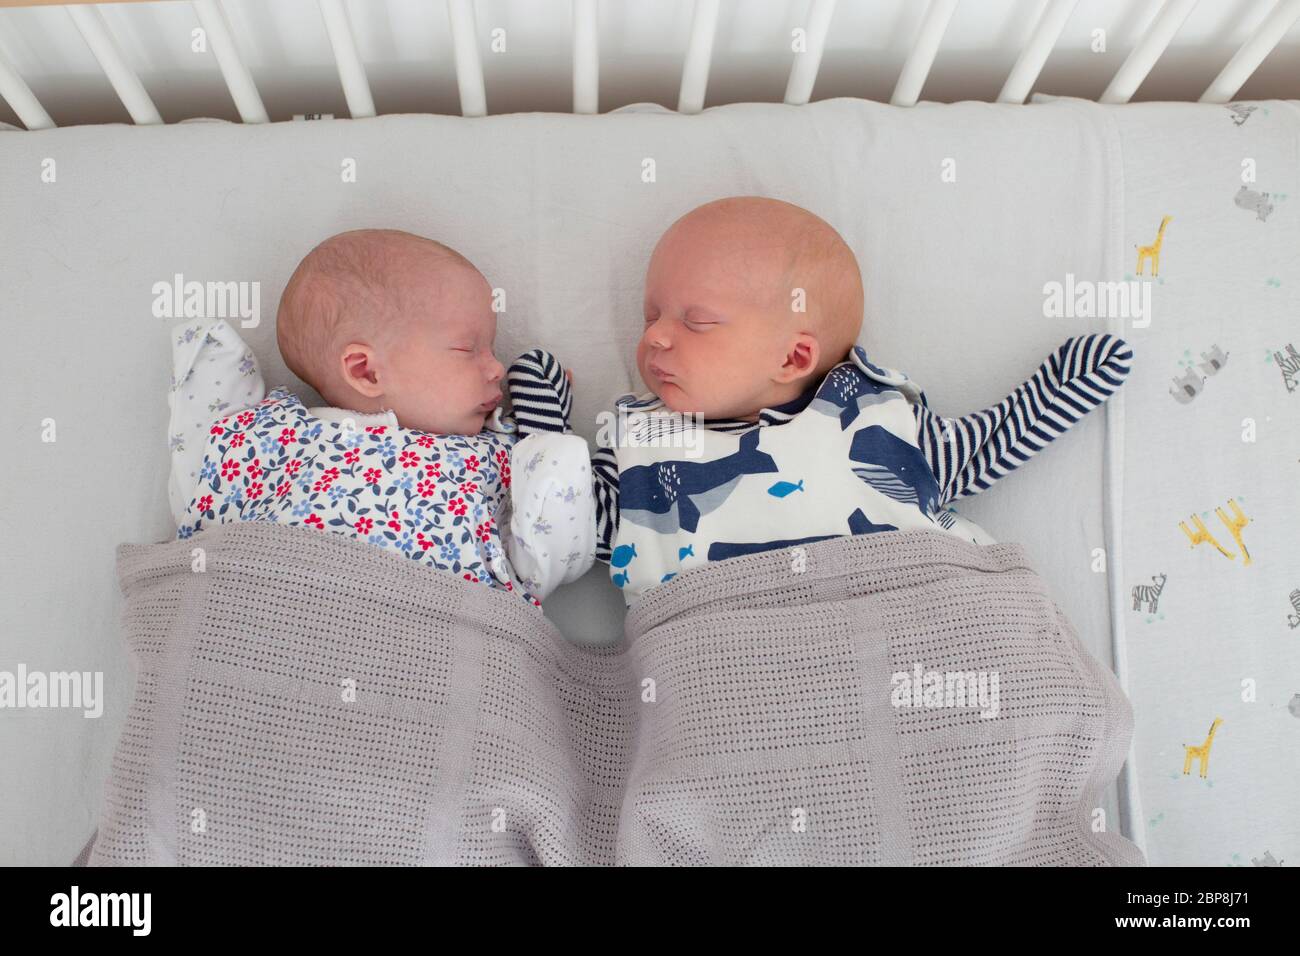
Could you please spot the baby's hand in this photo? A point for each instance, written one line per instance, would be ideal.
(569, 375)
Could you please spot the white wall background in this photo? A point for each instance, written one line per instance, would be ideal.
(406, 48)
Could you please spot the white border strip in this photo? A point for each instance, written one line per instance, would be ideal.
(356, 88)
(917, 67)
(695, 71)
(1023, 75)
(803, 72)
(1246, 60)
(90, 23)
(1149, 49)
(20, 97)
(586, 57)
(469, 67)
(242, 89)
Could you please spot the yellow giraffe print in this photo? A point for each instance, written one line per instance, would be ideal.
(1152, 251)
(1201, 753)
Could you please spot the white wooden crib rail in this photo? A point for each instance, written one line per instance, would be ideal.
(807, 45)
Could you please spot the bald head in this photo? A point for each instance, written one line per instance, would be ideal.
(356, 286)
(772, 248)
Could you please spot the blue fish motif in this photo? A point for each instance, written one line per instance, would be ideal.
(683, 552)
(668, 577)
(623, 555)
(783, 488)
(620, 579)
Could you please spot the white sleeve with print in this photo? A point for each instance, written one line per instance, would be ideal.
(214, 373)
(551, 539)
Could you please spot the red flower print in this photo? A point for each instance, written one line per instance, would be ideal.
(536, 603)
(255, 490)
(282, 489)
(425, 441)
(254, 469)
(351, 455)
(484, 531)
(291, 469)
(395, 524)
(501, 456)
(456, 506)
(216, 430)
(364, 525)
(330, 473)
(505, 475)
(472, 462)
(424, 543)
(205, 503)
(245, 418)
(373, 475)
(287, 436)
(424, 488)
(409, 459)
(376, 429)
(315, 522)
(468, 487)
(229, 469)
(237, 440)
(470, 577)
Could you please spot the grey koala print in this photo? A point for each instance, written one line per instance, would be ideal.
(1240, 112)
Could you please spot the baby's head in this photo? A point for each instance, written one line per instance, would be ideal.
(378, 319)
(722, 334)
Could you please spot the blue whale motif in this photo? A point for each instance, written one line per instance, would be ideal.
(683, 552)
(894, 468)
(649, 493)
(846, 391)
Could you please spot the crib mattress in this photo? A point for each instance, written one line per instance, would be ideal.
(959, 215)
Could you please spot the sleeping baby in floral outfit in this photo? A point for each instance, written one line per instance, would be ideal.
(413, 453)
(766, 425)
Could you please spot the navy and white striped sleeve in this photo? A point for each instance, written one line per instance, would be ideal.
(970, 453)
(604, 482)
(540, 394)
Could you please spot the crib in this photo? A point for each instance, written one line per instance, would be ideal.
(1167, 522)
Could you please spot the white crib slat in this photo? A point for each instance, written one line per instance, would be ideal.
(1139, 63)
(695, 71)
(469, 67)
(1034, 55)
(90, 23)
(240, 82)
(1252, 52)
(917, 67)
(586, 62)
(803, 73)
(20, 98)
(356, 88)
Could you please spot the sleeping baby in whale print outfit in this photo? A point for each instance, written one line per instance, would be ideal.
(414, 455)
(766, 428)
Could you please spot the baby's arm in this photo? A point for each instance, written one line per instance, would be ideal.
(552, 535)
(539, 393)
(213, 374)
(970, 453)
(604, 489)
(551, 538)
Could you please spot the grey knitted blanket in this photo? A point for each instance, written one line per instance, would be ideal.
(304, 698)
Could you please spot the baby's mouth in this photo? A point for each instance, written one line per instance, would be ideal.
(488, 406)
